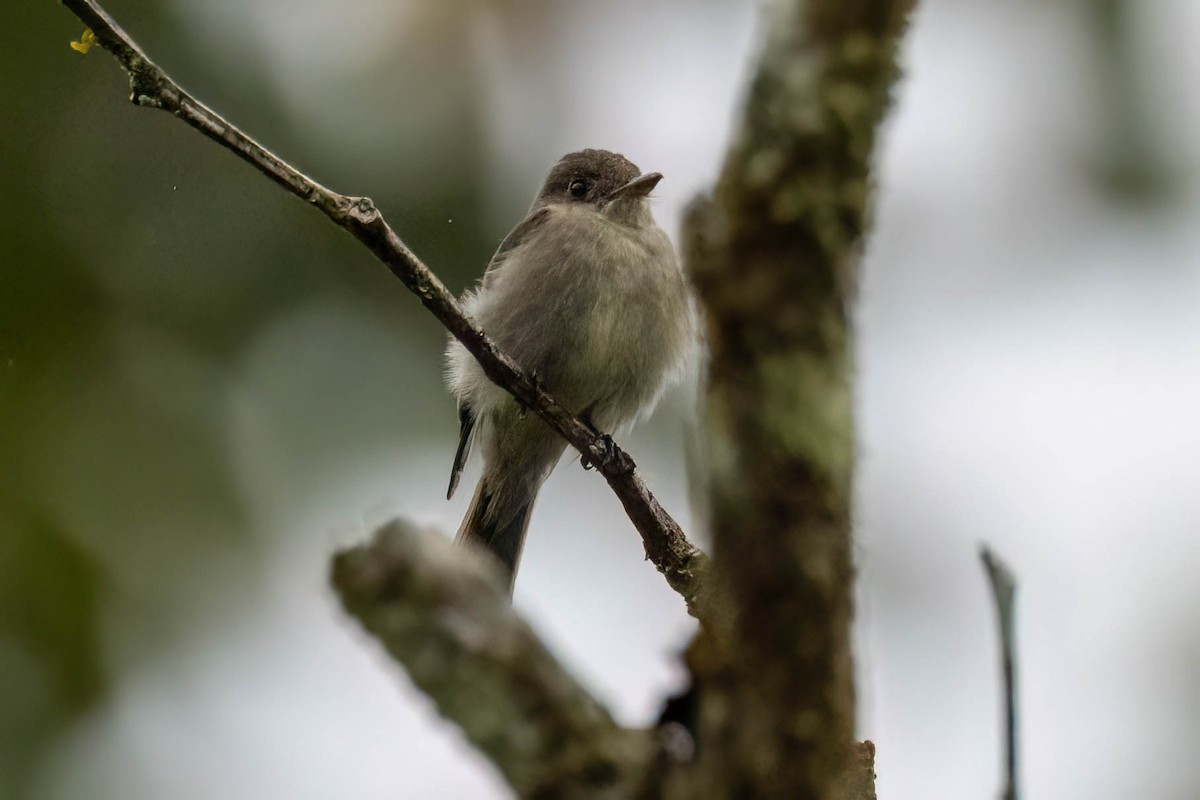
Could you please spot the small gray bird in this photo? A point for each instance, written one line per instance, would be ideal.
(586, 294)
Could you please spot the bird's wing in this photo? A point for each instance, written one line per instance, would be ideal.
(466, 417)
(466, 427)
(515, 238)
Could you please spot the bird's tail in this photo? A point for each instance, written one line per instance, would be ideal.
(497, 520)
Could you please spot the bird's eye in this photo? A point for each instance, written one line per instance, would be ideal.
(578, 189)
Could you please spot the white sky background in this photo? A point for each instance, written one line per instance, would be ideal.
(1029, 377)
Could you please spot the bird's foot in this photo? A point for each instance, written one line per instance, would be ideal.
(609, 448)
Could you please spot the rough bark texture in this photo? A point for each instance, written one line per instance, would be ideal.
(773, 254)
(447, 619)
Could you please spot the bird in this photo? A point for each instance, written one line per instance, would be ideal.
(587, 295)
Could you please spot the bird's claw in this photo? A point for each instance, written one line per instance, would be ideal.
(610, 452)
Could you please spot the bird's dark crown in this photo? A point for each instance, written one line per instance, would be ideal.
(587, 176)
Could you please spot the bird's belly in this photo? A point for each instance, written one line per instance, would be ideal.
(619, 352)
(599, 323)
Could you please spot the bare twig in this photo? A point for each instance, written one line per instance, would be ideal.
(680, 562)
(773, 254)
(446, 617)
(1004, 590)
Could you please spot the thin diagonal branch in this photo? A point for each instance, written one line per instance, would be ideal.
(447, 619)
(1004, 592)
(667, 547)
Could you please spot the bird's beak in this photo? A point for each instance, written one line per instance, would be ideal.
(640, 186)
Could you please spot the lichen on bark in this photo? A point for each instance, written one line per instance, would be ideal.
(773, 253)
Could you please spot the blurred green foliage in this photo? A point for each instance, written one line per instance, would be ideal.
(139, 264)
(49, 642)
(1131, 164)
